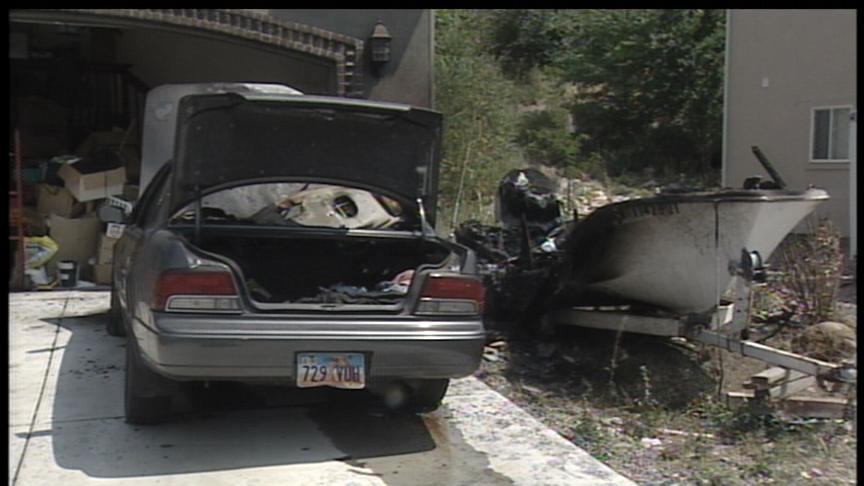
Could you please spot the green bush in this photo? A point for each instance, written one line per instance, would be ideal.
(804, 286)
(480, 118)
(809, 268)
(544, 136)
(646, 84)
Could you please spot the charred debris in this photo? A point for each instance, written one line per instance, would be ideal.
(520, 259)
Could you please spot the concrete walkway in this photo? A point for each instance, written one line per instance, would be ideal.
(66, 425)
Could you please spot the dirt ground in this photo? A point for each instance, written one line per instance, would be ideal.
(649, 408)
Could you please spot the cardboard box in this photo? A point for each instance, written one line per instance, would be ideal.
(75, 237)
(105, 249)
(102, 273)
(57, 200)
(115, 230)
(95, 185)
(121, 143)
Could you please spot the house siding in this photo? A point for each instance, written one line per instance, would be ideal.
(781, 65)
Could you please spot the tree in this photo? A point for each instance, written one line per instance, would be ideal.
(544, 136)
(646, 84)
(479, 108)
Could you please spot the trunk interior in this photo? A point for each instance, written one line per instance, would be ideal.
(315, 269)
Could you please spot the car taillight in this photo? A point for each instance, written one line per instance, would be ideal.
(196, 291)
(453, 295)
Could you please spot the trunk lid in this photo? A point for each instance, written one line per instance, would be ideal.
(231, 138)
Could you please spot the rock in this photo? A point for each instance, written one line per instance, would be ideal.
(828, 341)
(612, 421)
(649, 442)
(490, 354)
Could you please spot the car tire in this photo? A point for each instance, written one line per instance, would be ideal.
(147, 394)
(427, 395)
(114, 326)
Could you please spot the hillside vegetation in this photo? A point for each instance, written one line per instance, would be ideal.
(622, 96)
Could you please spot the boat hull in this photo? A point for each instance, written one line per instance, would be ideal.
(674, 252)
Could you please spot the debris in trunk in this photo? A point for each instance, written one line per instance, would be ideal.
(308, 267)
(384, 292)
(332, 207)
(349, 294)
(398, 285)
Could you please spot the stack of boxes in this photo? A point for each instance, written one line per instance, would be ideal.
(70, 209)
(105, 253)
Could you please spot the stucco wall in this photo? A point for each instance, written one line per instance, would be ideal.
(407, 78)
(782, 64)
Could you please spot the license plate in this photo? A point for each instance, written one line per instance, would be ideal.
(338, 370)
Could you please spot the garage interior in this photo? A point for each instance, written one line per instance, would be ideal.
(79, 90)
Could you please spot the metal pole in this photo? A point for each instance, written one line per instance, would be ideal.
(18, 272)
(769, 167)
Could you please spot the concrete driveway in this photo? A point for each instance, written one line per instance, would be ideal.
(66, 425)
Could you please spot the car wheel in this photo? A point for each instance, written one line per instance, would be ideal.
(148, 394)
(115, 326)
(427, 395)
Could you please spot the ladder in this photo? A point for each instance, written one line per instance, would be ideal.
(16, 217)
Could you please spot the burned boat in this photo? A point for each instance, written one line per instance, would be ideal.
(656, 266)
(675, 252)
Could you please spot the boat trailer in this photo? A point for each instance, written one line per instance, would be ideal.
(623, 267)
(727, 328)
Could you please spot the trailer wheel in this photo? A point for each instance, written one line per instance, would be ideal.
(147, 394)
(427, 395)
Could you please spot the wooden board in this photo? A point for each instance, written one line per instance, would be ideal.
(814, 407)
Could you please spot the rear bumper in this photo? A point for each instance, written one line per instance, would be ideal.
(194, 347)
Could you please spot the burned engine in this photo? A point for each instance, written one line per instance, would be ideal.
(519, 258)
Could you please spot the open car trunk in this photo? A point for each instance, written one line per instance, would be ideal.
(292, 268)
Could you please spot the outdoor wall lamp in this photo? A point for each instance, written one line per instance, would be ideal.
(380, 46)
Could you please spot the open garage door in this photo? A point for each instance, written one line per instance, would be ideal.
(78, 84)
(79, 72)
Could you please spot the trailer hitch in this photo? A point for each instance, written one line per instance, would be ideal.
(844, 372)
